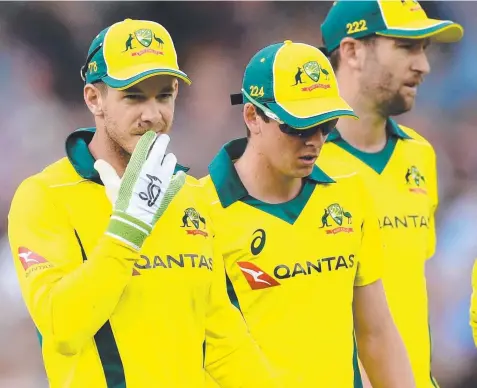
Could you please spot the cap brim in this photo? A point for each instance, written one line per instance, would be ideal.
(303, 114)
(444, 31)
(126, 83)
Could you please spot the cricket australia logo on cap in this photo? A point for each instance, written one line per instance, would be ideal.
(412, 4)
(313, 70)
(144, 36)
(147, 39)
(338, 215)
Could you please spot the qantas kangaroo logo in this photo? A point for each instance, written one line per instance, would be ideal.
(256, 278)
(29, 258)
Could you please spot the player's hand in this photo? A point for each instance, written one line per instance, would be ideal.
(145, 190)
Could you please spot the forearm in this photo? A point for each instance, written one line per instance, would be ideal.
(385, 359)
(71, 308)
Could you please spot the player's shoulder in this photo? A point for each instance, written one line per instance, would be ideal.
(192, 182)
(193, 187)
(339, 170)
(346, 176)
(208, 189)
(347, 180)
(59, 173)
(37, 193)
(334, 159)
(415, 139)
(207, 183)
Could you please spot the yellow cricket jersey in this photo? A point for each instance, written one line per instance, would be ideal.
(292, 268)
(473, 303)
(112, 317)
(402, 180)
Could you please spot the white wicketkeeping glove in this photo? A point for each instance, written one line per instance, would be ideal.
(110, 179)
(145, 190)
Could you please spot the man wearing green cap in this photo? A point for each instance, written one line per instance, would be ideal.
(127, 295)
(301, 249)
(378, 51)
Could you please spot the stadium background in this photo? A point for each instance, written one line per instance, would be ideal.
(44, 44)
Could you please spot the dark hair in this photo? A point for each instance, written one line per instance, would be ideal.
(262, 116)
(335, 56)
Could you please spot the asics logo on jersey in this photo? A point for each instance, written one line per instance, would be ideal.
(258, 243)
(256, 278)
(153, 190)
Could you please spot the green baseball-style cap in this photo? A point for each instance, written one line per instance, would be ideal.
(392, 18)
(294, 84)
(130, 51)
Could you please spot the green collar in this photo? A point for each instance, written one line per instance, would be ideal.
(226, 180)
(81, 158)
(392, 128)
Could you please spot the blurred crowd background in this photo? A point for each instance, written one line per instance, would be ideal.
(44, 44)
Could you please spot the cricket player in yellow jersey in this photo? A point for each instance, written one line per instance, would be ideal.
(378, 51)
(301, 249)
(127, 295)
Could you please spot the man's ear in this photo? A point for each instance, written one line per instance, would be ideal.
(175, 85)
(93, 97)
(251, 118)
(352, 53)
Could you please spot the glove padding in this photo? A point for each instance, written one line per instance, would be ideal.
(145, 190)
(110, 179)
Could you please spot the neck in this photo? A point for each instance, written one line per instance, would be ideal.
(262, 181)
(103, 147)
(367, 134)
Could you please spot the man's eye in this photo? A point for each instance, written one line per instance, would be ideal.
(132, 97)
(409, 46)
(164, 96)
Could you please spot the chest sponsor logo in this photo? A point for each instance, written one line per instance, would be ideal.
(256, 278)
(259, 279)
(405, 221)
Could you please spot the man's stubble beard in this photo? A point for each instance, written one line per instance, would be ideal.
(394, 106)
(376, 84)
(110, 127)
(386, 101)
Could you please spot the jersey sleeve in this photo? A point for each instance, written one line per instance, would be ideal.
(68, 296)
(371, 255)
(434, 201)
(233, 359)
(473, 303)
